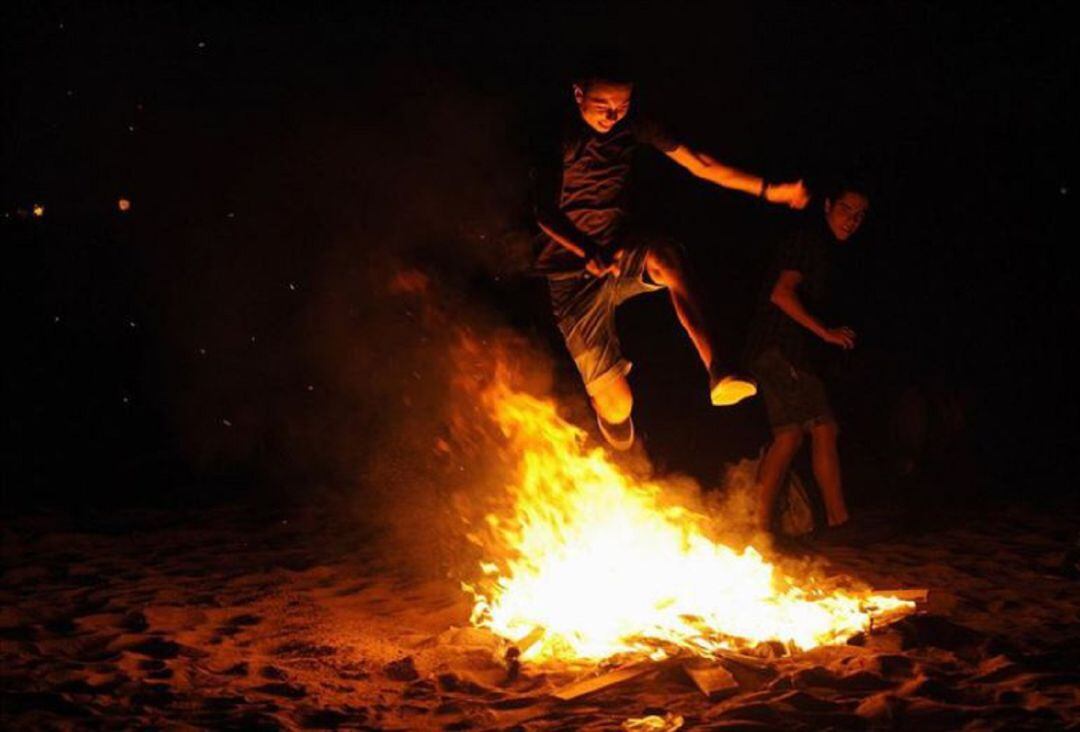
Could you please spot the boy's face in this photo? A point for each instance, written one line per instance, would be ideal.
(603, 103)
(845, 215)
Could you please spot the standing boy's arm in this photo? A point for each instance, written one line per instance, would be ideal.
(785, 296)
(708, 168)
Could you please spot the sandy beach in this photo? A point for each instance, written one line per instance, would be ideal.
(230, 619)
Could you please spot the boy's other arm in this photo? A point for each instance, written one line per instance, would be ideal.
(553, 222)
(708, 168)
(785, 295)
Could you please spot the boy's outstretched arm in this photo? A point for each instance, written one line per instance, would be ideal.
(708, 168)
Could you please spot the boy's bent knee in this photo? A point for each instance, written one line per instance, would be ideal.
(614, 401)
(665, 263)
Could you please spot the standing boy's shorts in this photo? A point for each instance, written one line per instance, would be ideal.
(584, 308)
(794, 397)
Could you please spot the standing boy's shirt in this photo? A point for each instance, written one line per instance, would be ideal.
(590, 184)
(808, 250)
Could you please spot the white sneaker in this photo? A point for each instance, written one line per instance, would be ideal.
(731, 389)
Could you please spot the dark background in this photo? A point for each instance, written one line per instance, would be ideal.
(225, 334)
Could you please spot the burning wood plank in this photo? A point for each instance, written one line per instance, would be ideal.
(711, 679)
(919, 595)
(741, 659)
(528, 641)
(517, 649)
(605, 681)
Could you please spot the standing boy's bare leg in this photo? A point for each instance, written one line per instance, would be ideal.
(826, 461)
(771, 471)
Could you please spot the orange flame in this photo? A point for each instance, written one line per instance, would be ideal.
(606, 566)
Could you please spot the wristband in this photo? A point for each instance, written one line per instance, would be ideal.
(764, 188)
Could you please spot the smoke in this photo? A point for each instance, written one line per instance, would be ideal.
(280, 350)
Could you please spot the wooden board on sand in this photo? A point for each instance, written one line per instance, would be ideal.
(606, 680)
(710, 679)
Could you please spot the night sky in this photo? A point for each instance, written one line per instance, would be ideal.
(225, 330)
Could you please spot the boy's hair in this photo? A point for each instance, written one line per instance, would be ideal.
(611, 67)
(836, 186)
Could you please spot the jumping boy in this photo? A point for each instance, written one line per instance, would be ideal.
(594, 260)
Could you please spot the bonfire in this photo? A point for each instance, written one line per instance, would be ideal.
(594, 564)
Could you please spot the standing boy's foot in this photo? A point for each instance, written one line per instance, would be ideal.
(620, 435)
(728, 389)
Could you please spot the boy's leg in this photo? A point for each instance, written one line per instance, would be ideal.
(585, 308)
(666, 266)
(786, 405)
(772, 469)
(826, 461)
(613, 401)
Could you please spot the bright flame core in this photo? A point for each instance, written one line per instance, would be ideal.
(595, 557)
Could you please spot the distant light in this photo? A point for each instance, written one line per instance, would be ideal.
(1064, 190)
(38, 210)
(123, 204)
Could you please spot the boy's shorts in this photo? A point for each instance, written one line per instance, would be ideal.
(584, 308)
(794, 397)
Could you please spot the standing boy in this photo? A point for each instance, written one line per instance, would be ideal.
(783, 351)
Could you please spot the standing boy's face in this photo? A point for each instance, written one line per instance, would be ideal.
(845, 215)
(603, 103)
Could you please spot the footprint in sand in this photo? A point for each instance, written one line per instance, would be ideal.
(134, 622)
(288, 691)
(237, 624)
(303, 649)
(156, 647)
(273, 672)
